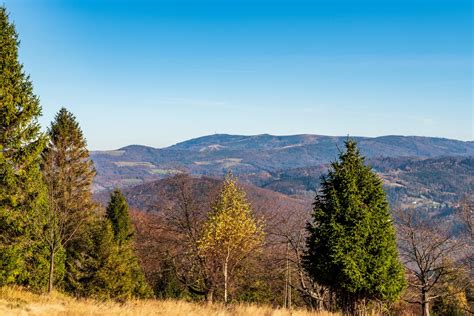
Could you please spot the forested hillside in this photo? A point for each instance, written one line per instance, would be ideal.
(156, 195)
(214, 155)
(421, 172)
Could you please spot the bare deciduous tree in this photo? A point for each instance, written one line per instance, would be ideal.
(184, 217)
(465, 214)
(288, 230)
(429, 252)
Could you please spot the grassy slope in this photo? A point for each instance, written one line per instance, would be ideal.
(15, 301)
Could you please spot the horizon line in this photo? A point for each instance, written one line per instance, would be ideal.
(285, 135)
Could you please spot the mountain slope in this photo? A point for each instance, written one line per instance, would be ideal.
(244, 155)
(159, 195)
(432, 183)
(391, 145)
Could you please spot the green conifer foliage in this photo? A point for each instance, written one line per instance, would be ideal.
(117, 213)
(167, 285)
(68, 174)
(106, 270)
(120, 273)
(21, 144)
(110, 277)
(351, 247)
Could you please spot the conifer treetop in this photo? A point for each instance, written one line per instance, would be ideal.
(20, 135)
(117, 213)
(351, 245)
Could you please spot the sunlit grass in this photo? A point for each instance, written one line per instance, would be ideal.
(16, 301)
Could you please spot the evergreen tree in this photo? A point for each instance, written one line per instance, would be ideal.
(123, 264)
(68, 174)
(117, 213)
(95, 248)
(105, 269)
(107, 274)
(351, 247)
(231, 233)
(21, 144)
(166, 284)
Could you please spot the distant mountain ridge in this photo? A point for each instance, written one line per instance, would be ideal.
(427, 172)
(401, 145)
(405, 145)
(214, 154)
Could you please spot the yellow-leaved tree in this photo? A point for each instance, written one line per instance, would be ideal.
(231, 232)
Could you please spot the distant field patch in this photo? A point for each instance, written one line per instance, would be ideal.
(203, 163)
(164, 171)
(226, 163)
(291, 146)
(229, 162)
(144, 164)
(132, 181)
(214, 147)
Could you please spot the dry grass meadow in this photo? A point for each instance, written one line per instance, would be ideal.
(16, 301)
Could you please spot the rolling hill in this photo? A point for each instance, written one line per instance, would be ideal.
(215, 154)
(158, 195)
(422, 172)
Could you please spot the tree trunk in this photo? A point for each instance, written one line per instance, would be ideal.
(210, 296)
(425, 305)
(289, 287)
(51, 271)
(285, 304)
(353, 305)
(225, 281)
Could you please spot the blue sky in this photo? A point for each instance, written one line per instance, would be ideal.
(159, 72)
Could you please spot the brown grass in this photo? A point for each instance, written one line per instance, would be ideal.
(16, 301)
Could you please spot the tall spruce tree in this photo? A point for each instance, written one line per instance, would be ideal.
(68, 173)
(121, 271)
(351, 247)
(104, 273)
(117, 213)
(21, 144)
(107, 270)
